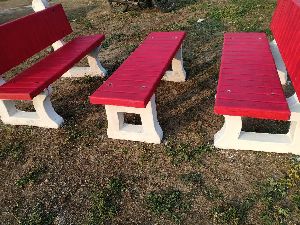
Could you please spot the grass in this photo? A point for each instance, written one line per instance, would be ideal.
(186, 153)
(233, 212)
(32, 177)
(192, 178)
(240, 16)
(280, 197)
(113, 39)
(14, 149)
(38, 216)
(106, 202)
(199, 186)
(170, 203)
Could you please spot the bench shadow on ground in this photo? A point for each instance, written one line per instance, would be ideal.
(193, 105)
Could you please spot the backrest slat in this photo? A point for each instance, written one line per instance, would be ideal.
(285, 27)
(24, 37)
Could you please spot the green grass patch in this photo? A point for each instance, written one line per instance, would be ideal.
(118, 37)
(197, 181)
(281, 197)
(38, 216)
(185, 153)
(15, 150)
(242, 15)
(32, 177)
(192, 178)
(232, 212)
(106, 202)
(169, 203)
(296, 199)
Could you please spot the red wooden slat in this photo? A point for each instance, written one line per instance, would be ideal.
(249, 84)
(34, 80)
(24, 37)
(286, 31)
(135, 81)
(257, 110)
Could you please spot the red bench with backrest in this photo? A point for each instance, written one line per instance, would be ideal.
(23, 38)
(132, 86)
(250, 83)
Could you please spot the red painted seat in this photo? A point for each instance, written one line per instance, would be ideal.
(248, 82)
(135, 81)
(24, 37)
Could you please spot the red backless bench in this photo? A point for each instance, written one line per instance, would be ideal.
(132, 86)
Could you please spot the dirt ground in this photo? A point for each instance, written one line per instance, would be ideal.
(78, 159)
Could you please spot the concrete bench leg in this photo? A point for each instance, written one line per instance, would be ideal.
(282, 72)
(231, 135)
(44, 116)
(178, 73)
(94, 69)
(150, 130)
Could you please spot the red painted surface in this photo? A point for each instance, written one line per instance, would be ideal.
(34, 80)
(249, 84)
(135, 81)
(286, 30)
(24, 37)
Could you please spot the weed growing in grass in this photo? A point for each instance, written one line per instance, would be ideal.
(106, 202)
(206, 30)
(296, 200)
(233, 212)
(192, 178)
(32, 177)
(75, 134)
(112, 39)
(199, 186)
(169, 203)
(278, 198)
(275, 195)
(273, 191)
(14, 149)
(38, 216)
(184, 152)
(211, 193)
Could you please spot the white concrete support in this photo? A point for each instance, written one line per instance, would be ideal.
(231, 135)
(44, 116)
(150, 130)
(94, 69)
(39, 5)
(282, 72)
(178, 73)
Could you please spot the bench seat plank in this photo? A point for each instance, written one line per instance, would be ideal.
(135, 81)
(32, 81)
(249, 84)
